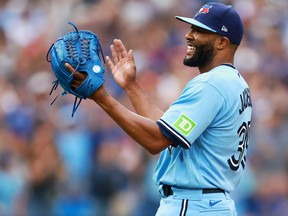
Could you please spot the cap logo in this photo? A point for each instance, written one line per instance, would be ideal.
(204, 9)
(224, 29)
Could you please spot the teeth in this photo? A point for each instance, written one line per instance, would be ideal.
(191, 47)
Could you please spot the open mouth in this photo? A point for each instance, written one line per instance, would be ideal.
(191, 49)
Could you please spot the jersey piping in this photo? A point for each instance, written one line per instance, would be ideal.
(173, 134)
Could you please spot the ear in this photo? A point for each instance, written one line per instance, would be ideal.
(223, 42)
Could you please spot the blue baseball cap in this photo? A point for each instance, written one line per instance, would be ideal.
(218, 18)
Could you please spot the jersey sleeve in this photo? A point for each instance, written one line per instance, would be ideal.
(191, 113)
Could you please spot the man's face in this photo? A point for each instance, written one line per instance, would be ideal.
(200, 50)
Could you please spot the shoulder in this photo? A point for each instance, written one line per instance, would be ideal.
(221, 78)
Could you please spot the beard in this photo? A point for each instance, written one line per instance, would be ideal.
(203, 55)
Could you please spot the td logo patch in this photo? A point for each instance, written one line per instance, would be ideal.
(185, 125)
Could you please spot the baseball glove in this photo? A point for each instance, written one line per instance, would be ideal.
(81, 49)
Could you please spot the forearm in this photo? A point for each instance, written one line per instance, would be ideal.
(142, 102)
(143, 130)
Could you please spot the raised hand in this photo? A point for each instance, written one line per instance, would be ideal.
(122, 64)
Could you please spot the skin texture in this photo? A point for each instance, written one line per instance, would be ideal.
(209, 50)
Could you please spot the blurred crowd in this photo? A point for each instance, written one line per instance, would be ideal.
(54, 165)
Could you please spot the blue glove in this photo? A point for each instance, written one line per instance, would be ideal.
(81, 50)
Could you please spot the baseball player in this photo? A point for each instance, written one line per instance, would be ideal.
(203, 136)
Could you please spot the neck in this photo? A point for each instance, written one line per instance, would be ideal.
(214, 64)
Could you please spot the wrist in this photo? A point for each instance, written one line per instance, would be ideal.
(98, 94)
(131, 86)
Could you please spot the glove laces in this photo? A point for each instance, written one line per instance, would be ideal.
(73, 54)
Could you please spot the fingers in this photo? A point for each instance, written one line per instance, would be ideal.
(78, 75)
(114, 54)
(121, 48)
(69, 67)
(74, 85)
(118, 51)
(130, 55)
(110, 63)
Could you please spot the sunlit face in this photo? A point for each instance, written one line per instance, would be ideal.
(200, 49)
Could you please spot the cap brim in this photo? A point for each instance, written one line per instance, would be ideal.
(195, 23)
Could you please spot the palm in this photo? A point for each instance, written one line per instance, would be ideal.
(124, 72)
(123, 68)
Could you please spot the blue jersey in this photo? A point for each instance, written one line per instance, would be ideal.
(209, 127)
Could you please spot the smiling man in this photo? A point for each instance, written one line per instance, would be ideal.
(203, 136)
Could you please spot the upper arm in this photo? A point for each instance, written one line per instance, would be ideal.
(191, 114)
